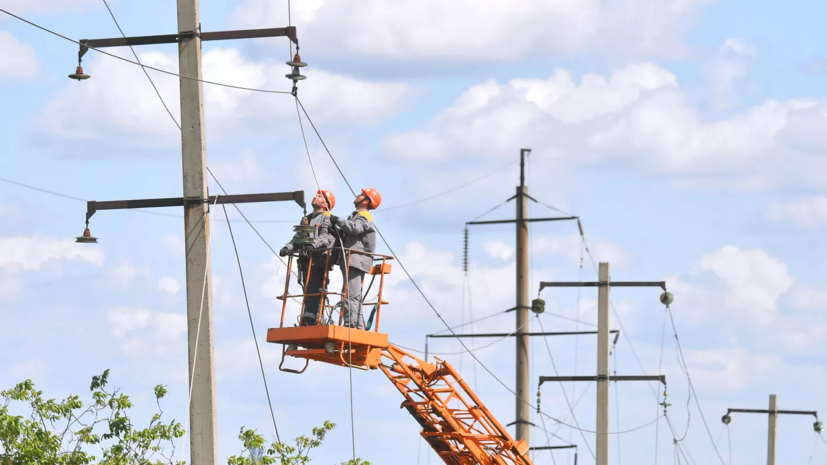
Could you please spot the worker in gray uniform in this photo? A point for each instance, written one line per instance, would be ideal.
(314, 275)
(357, 234)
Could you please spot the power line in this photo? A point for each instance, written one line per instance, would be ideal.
(252, 326)
(453, 189)
(563, 388)
(157, 92)
(346, 278)
(430, 304)
(691, 384)
(252, 89)
(640, 365)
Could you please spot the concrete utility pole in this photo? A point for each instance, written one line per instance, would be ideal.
(523, 406)
(603, 285)
(523, 414)
(772, 430)
(602, 444)
(200, 340)
(772, 423)
(203, 444)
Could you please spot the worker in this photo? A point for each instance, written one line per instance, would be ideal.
(322, 203)
(357, 234)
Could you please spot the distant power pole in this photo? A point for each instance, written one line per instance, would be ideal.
(523, 414)
(772, 426)
(603, 285)
(523, 406)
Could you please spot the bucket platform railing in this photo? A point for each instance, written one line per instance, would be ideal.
(323, 340)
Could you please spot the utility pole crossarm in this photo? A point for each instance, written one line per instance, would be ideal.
(660, 378)
(558, 333)
(93, 206)
(525, 220)
(786, 412)
(568, 446)
(660, 284)
(289, 32)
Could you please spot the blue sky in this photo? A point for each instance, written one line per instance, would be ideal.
(685, 133)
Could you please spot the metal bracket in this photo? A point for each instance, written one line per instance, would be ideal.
(660, 284)
(529, 220)
(660, 378)
(786, 412)
(559, 333)
(93, 206)
(289, 32)
(521, 422)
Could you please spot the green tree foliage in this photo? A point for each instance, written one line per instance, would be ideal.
(279, 453)
(62, 433)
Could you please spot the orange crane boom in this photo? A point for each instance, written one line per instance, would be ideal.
(455, 422)
(464, 434)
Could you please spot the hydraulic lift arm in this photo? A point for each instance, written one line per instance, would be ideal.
(454, 421)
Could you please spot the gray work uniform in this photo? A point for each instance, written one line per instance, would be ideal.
(315, 281)
(358, 234)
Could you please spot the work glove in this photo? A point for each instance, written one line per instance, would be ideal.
(284, 252)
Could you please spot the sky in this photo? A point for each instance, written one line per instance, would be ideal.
(686, 135)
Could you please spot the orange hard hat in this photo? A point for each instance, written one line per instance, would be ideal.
(329, 198)
(374, 196)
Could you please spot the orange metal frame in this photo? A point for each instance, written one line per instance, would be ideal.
(381, 268)
(454, 421)
(463, 434)
(328, 343)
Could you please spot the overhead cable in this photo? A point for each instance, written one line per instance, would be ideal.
(431, 305)
(252, 89)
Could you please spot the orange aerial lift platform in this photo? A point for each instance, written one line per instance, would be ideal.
(455, 423)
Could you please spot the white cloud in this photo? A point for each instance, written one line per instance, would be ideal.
(484, 30)
(243, 168)
(123, 320)
(807, 213)
(809, 298)
(51, 7)
(490, 118)
(19, 60)
(596, 95)
(729, 370)
(173, 244)
(637, 114)
(30, 369)
(499, 250)
(571, 247)
(30, 253)
(727, 68)
(754, 280)
(666, 130)
(169, 285)
(119, 99)
(142, 332)
(10, 285)
(123, 275)
(168, 326)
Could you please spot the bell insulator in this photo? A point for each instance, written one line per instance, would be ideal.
(86, 237)
(79, 75)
